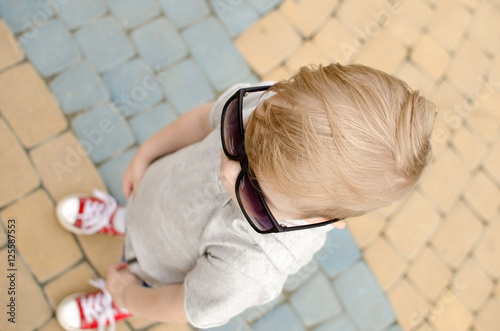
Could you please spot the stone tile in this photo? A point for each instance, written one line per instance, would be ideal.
(383, 52)
(65, 168)
(488, 318)
(412, 225)
(139, 323)
(18, 176)
(472, 286)
(337, 42)
(185, 86)
(236, 16)
(338, 253)
(483, 195)
(133, 86)
(486, 26)
(175, 327)
(185, 13)
(252, 314)
(366, 22)
(11, 52)
(395, 328)
(456, 235)
(497, 291)
(263, 6)
(105, 44)
(450, 314)
(340, 323)
(28, 107)
(365, 229)
(442, 185)
(449, 23)
(308, 16)
(94, 246)
(102, 132)
(303, 275)
(410, 307)
(484, 119)
(24, 14)
(452, 105)
(425, 327)
(51, 49)
(307, 54)
(3, 237)
(131, 13)
(430, 56)
(215, 53)
(268, 43)
(363, 298)
(32, 310)
(470, 147)
(78, 88)
(493, 160)
(280, 318)
(151, 121)
(38, 227)
(159, 43)
(316, 302)
(112, 173)
(234, 324)
(407, 22)
(76, 13)
(277, 74)
(488, 250)
(416, 79)
(387, 265)
(53, 325)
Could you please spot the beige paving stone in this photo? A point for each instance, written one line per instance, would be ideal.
(449, 313)
(485, 27)
(365, 229)
(408, 23)
(3, 236)
(307, 54)
(308, 15)
(383, 52)
(32, 310)
(449, 23)
(278, 74)
(140, 323)
(412, 225)
(430, 56)
(451, 105)
(483, 115)
(488, 250)
(483, 195)
(416, 79)
(268, 42)
(425, 327)
(11, 51)
(65, 168)
(365, 23)
(488, 318)
(493, 160)
(456, 235)
(385, 262)
(409, 306)
(442, 185)
(53, 325)
(470, 147)
(18, 176)
(337, 42)
(495, 72)
(470, 4)
(45, 245)
(94, 246)
(28, 105)
(440, 138)
(472, 286)
(171, 327)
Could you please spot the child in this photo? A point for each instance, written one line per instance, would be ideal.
(210, 227)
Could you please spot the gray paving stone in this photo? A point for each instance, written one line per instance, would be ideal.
(215, 53)
(112, 172)
(364, 299)
(103, 132)
(339, 323)
(253, 314)
(263, 6)
(50, 48)
(133, 12)
(159, 43)
(280, 319)
(395, 328)
(339, 252)
(133, 86)
(21, 15)
(303, 275)
(316, 302)
(151, 121)
(185, 86)
(78, 88)
(76, 13)
(235, 15)
(186, 12)
(105, 44)
(234, 324)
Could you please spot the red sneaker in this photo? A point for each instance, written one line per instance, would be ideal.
(85, 214)
(90, 311)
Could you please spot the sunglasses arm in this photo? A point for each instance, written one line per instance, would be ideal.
(309, 226)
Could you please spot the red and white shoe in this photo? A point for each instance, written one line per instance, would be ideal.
(90, 311)
(85, 214)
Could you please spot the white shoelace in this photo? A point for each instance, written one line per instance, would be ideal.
(96, 214)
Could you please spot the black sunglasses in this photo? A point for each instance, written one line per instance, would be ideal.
(252, 202)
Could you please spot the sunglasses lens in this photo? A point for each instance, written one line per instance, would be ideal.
(232, 135)
(253, 206)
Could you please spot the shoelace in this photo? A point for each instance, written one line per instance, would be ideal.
(96, 214)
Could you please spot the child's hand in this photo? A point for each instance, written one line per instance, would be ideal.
(133, 175)
(118, 280)
(229, 171)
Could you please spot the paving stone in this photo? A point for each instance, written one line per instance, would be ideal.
(339, 252)
(493, 160)
(483, 195)
(253, 314)
(78, 88)
(151, 121)
(394, 328)
(387, 265)
(234, 324)
(488, 250)
(112, 173)
(277, 74)
(76, 13)
(53, 325)
(185, 13)
(236, 15)
(337, 42)
(412, 225)
(316, 302)
(410, 307)
(132, 13)
(139, 323)
(363, 298)
(450, 314)
(407, 23)
(307, 54)
(340, 323)
(263, 6)
(281, 318)
(430, 56)
(185, 86)
(456, 235)
(18, 176)
(51, 49)
(215, 54)
(105, 44)
(452, 105)
(65, 168)
(308, 16)
(11, 51)
(366, 22)
(425, 327)
(133, 86)
(32, 310)
(472, 286)
(25, 14)
(94, 246)
(173, 327)
(488, 318)
(484, 120)
(486, 27)
(268, 43)
(159, 43)
(470, 147)
(303, 275)
(28, 107)
(3, 237)
(449, 23)
(365, 229)
(102, 132)
(416, 79)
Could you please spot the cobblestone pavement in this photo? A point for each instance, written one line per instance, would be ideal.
(84, 82)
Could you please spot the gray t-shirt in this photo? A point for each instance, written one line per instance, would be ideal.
(183, 226)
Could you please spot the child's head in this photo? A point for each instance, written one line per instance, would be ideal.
(341, 140)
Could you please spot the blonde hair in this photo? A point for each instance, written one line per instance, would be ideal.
(341, 140)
